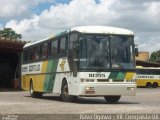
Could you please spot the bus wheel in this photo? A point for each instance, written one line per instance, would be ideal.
(33, 93)
(112, 99)
(148, 85)
(65, 95)
(155, 85)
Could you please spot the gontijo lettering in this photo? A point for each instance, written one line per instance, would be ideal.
(34, 68)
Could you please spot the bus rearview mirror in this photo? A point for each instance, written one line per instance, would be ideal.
(136, 50)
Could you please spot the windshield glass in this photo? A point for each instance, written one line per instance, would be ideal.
(94, 51)
(122, 52)
(105, 52)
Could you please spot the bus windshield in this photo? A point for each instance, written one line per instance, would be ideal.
(105, 52)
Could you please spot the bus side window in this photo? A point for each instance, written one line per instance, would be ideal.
(63, 46)
(24, 56)
(54, 48)
(49, 49)
(33, 51)
(43, 51)
(72, 44)
(27, 55)
(72, 55)
(37, 53)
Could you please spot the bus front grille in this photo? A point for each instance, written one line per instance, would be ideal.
(117, 80)
(102, 80)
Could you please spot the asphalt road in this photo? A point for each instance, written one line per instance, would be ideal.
(146, 101)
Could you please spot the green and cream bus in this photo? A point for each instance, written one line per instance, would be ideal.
(83, 61)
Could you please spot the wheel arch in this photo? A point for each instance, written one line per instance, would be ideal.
(31, 81)
(64, 81)
(155, 84)
(148, 84)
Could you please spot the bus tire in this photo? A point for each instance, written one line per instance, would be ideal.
(65, 95)
(112, 99)
(155, 85)
(33, 93)
(148, 85)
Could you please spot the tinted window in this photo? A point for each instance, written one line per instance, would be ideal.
(54, 48)
(33, 53)
(44, 50)
(73, 40)
(37, 53)
(122, 52)
(49, 49)
(94, 51)
(63, 42)
(25, 56)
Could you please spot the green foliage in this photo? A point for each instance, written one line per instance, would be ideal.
(155, 57)
(9, 33)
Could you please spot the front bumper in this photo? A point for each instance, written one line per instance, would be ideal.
(126, 89)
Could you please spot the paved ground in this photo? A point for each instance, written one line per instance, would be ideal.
(19, 102)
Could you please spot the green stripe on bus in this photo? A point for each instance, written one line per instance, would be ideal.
(50, 78)
(117, 75)
(121, 75)
(113, 75)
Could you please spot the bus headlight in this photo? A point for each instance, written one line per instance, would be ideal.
(89, 80)
(131, 88)
(89, 88)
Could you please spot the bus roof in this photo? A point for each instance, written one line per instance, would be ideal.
(33, 43)
(102, 29)
(89, 29)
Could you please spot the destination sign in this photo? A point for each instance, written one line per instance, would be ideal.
(31, 68)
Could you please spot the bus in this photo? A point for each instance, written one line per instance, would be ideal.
(84, 61)
(148, 77)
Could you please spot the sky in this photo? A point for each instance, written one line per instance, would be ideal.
(38, 19)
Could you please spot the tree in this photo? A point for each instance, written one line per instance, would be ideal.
(155, 57)
(10, 33)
